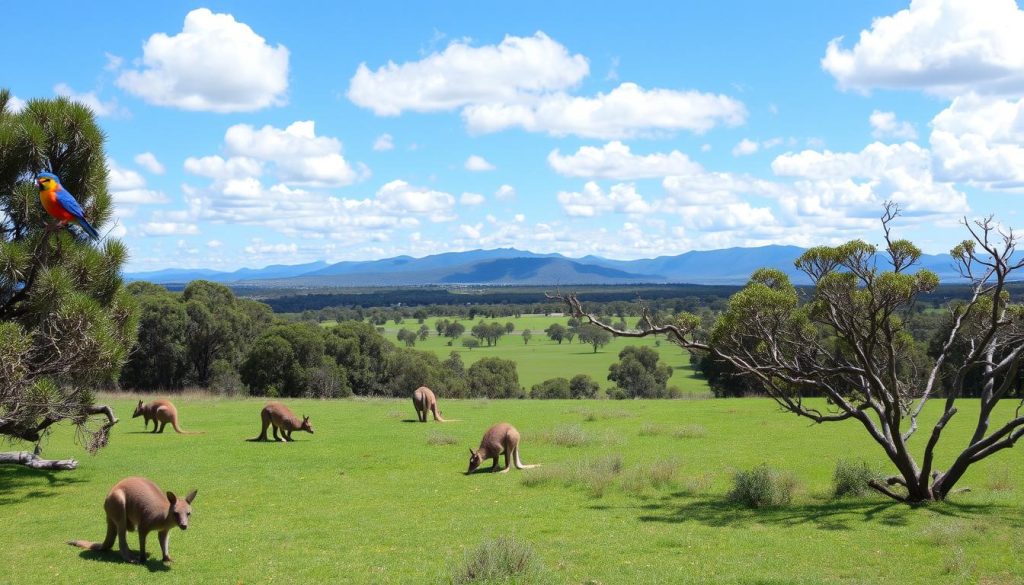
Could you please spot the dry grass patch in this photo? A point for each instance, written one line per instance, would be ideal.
(439, 438)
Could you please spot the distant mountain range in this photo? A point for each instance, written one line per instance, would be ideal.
(508, 266)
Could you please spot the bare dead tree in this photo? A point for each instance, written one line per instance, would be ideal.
(849, 344)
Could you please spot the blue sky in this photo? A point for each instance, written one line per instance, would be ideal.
(247, 134)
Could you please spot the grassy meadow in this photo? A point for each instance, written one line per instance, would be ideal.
(628, 492)
(542, 358)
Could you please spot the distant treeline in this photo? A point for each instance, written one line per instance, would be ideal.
(420, 296)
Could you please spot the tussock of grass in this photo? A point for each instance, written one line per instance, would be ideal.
(505, 559)
(762, 487)
(396, 414)
(439, 438)
(564, 435)
(591, 415)
(598, 475)
(683, 432)
(542, 476)
(651, 430)
(850, 478)
(1000, 481)
(690, 432)
(658, 474)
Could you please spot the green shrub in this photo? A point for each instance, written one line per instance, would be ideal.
(505, 559)
(762, 487)
(851, 478)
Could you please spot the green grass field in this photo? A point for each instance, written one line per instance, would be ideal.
(542, 359)
(373, 498)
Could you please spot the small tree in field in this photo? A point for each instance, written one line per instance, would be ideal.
(66, 322)
(849, 343)
(527, 334)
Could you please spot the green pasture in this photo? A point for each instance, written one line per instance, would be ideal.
(542, 359)
(375, 498)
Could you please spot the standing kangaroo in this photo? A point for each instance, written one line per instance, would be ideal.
(278, 415)
(137, 503)
(160, 412)
(501, 438)
(424, 400)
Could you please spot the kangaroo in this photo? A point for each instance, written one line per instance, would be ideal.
(137, 503)
(500, 438)
(424, 400)
(278, 415)
(160, 412)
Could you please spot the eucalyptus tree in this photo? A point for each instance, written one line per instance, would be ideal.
(848, 341)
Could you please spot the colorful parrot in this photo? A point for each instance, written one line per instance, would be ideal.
(61, 204)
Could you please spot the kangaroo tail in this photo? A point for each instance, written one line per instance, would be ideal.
(87, 545)
(177, 429)
(519, 463)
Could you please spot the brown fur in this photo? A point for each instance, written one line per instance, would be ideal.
(424, 401)
(277, 415)
(160, 412)
(500, 438)
(137, 503)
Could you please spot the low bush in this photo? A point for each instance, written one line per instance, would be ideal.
(762, 487)
(850, 478)
(505, 559)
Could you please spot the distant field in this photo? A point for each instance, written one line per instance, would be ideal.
(371, 498)
(542, 358)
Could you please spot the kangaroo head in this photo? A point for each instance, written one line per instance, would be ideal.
(475, 459)
(138, 410)
(306, 426)
(181, 509)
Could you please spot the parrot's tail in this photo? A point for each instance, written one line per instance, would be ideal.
(88, 229)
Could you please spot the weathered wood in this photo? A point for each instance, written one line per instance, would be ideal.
(29, 459)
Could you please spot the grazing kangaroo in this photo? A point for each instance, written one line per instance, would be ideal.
(500, 438)
(278, 415)
(424, 400)
(137, 503)
(160, 412)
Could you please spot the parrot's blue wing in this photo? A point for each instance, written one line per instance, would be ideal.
(68, 202)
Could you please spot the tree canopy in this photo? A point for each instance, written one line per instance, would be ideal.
(66, 323)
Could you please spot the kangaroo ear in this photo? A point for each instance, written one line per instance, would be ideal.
(172, 498)
(140, 403)
(191, 496)
(471, 452)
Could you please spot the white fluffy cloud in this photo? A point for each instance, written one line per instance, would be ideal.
(627, 111)
(91, 100)
(384, 142)
(621, 198)
(472, 199)
(885, 125)
(851, 184)
(216, 167)
(462, 75)
(505, 193)
(980, 140)
(523, 82)
(478, 163)
(16, 104)
(168, 228)
(745, 147)
(148, 161)
(400, 197)
(296, 154)
(614, 160)
(946, 47)
(214, 64)
(120, 178)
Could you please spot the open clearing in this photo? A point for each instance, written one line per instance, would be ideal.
(542, 359)
(371, 498)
